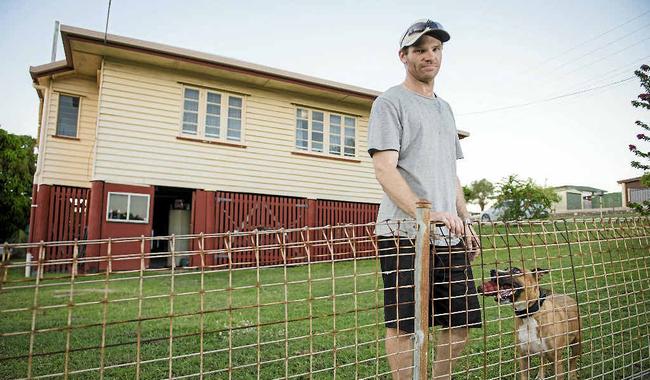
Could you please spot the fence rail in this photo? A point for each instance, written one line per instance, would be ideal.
(314, 311)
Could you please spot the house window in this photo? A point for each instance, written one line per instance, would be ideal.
(213, 115)
(349, 137)
(205, 112)
(325, 132)
(191, 111)
(234, 118)
(67, 119)
(128, 207)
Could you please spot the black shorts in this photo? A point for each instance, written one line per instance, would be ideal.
(454, 299)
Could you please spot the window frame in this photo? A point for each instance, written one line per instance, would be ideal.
(202, 114)
(128, 207)
(326, 132)
(58, 110)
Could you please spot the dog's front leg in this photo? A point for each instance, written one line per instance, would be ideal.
(542, 364)
(558, 365)
(524, 366)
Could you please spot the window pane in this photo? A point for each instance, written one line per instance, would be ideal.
(139, 207)
(190, 111)
(191, 105)
(68, 115)
(189, 128)
(234, 113)
(211, 131)
(234, 101)
(302, 113)
(213, 109)
(214, 98)
(317, 116)
(317, 141)
(302, 135)
(191, 94)
(212, 121)
(234, 129)
(212, 126)
(349, 133)
(302, 124)
(335, 143)
(302, 129)
(301, 144)
(317, 126)
(350, 137)
(335, 135)
(190, 117)
(117, 204)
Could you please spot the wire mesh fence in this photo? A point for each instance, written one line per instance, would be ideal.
(317, 309)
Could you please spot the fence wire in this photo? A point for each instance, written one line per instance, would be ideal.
(305, 303)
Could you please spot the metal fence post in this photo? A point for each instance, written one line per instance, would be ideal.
(422, 249)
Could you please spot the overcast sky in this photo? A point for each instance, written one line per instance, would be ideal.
(501, 54)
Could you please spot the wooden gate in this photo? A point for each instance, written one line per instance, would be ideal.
(67, 221)
(238, 212)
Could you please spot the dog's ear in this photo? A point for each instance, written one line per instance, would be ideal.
(540, 272)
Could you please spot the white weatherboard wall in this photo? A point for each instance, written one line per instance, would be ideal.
(139, 120)
(69, 161)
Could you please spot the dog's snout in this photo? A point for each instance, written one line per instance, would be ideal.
(493, 272)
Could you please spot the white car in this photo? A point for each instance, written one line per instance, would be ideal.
(492, 214)
(495, 213)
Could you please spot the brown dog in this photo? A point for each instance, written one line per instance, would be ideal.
(546, 323)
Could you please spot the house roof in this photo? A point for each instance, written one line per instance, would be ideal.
(71, 33)
(586, 189)
(629, 180)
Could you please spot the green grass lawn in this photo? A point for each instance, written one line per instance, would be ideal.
(321, 318)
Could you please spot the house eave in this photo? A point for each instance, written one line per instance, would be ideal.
(70, 34)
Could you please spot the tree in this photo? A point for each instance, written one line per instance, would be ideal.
(467, 192)
(524, 199)
(17, 167)
(480, 191)
(643, 102)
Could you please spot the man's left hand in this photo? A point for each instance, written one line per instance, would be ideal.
(472, 242)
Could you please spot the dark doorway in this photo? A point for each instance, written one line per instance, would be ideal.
(169, 204)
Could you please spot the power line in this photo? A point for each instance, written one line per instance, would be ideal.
(592, 39)
(608, 75)
(562, 76)
(603, 58)
(547, 99)
(599, 48)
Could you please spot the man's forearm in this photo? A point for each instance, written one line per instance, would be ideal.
(398, 190)
(461, 205)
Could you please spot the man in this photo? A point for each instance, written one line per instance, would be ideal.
(414, 145)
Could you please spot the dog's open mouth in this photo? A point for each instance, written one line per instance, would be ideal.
(502, 285)
(501, 292)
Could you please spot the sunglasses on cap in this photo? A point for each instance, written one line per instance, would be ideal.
(422, 26)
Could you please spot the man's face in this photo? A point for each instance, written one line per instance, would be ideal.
(422, 59)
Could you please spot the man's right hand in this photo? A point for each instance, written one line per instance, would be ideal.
(453, 222)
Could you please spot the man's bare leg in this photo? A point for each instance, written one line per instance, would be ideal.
(399, 348)
(450, 344)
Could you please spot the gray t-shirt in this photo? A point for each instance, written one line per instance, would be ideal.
(423, 131)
